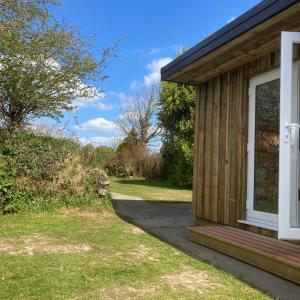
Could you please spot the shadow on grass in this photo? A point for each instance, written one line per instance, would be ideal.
(151, 183)
(162, 221)
(128, 216)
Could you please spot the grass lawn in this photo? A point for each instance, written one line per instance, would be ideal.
(150, 189)
(92, 254)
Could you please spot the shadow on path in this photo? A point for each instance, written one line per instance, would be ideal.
(167, 220)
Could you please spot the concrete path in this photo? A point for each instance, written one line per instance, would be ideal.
(168, 220)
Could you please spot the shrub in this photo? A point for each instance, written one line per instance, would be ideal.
(35, 170)
(152, 167)
(96, 157)
(119, 167)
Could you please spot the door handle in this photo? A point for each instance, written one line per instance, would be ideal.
(287, 130)
(293, 125)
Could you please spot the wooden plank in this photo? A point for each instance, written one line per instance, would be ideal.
(242, 130)
(277, 244)
(284, 252)
(195, 202)
(198, 185)
(233, 146)
(230, 64)
(227, 151)
(222, 145)
(202, 117)
(215, 150)
(239, 140)
(255, 229)
(246, 252)
(207, 151)
(243, 144)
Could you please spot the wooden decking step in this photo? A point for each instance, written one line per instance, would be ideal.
(275, 256)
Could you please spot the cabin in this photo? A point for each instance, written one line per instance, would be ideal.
(246, 181)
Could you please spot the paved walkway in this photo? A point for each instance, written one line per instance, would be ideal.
(167, 221)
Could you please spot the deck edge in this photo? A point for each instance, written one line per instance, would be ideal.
(259, 260)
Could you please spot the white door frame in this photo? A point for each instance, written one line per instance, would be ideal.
(261, 219)
(289, 151)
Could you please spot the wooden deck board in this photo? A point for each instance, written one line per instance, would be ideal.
(278, 257)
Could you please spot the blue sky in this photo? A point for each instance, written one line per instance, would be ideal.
(155, 31)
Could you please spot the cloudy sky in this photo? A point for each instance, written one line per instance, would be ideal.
(155, 31)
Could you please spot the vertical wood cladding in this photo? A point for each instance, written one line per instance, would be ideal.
(221, 127)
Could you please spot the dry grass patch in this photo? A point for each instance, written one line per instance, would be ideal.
(30, 244)
(192, 280)
(136, 256)
(126, 292)
(135, 230)
(138, 253)
(90, 214)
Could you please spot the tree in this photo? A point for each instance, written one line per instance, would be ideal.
(44, 64)
(131, 154)
(176, 118)
(139, 115)
(96, 157)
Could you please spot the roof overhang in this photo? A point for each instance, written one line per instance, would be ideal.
(250, 35)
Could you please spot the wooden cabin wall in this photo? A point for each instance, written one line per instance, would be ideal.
(221, 127)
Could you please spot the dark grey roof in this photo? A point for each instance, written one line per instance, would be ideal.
(253, 17)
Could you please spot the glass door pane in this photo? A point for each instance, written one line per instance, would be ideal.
(294, 146)
(289, 141)
(267, 113)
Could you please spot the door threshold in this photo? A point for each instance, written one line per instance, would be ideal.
(260, 224)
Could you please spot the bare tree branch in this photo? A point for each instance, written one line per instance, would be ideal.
(139, 114)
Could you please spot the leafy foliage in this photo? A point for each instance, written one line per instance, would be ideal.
(96, 157)
(132, 159)
(42, 172)
(176, 117)
(45, 64)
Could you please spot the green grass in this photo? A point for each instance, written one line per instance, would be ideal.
(150, 189)
(42, 257)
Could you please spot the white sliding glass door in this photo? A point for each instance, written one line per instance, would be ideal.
(289, 169)
(273, 196)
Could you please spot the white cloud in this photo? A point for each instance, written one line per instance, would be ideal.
(94, 102)
(231, 19)
(135, 85)
(153, 75)
(154, 67)
(121, 96)
(97, 125)
(100, 140)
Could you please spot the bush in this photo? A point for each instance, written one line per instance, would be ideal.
(119, 167)
(153, 166)
(96, 157)
(40, 168)
(178, 162)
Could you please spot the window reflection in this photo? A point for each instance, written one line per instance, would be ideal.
(267, 147)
